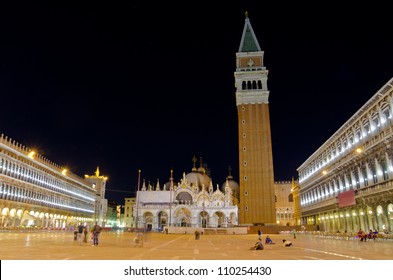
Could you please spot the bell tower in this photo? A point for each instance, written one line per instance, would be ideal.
(256, 176)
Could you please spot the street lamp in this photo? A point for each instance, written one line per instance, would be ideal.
(137, 199)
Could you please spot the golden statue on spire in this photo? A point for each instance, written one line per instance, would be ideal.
(246, 14)
(194, 160)
(97, 172)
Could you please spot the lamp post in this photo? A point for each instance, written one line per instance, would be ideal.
(170, 198)
(137, 200)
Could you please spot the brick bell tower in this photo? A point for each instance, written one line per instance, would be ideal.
(256, 176)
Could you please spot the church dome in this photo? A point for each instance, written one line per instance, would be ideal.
(167, 185)
(198, 176)
(233, 185)
(198, 179)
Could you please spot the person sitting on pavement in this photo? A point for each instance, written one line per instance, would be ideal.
(372, 235)
(362, 235)
(268, 240)
(258, 245)
(287, 243)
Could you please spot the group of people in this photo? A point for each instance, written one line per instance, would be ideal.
(259, 245)
(370, 235)
(82, 231)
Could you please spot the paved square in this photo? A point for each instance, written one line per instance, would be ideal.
(118, 245)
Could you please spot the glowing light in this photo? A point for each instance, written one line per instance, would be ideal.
(31, 154)
(64, 172)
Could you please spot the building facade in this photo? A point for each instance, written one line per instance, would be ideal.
(284, 203)
(128, 212)
(191, 202)
(35, 192)
(347, 184)
(256, 176)
(98, 183)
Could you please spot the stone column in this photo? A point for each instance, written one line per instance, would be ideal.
(385, 217)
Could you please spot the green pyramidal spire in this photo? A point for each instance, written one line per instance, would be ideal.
(249, 42)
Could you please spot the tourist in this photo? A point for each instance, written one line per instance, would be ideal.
(197, 235)
(362, 235)
(85, 231)
(96, 230)
(287, 243)
(138, 240)
(268, 240)
(258, 245)
(260, 234)
(80, 232)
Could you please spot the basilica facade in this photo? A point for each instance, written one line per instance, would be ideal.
(191, 202)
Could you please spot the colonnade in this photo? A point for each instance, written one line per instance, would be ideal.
(377, 217)
(19, 218)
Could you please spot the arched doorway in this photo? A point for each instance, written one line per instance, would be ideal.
(148, 217)
(183, 217)
(162, 220)
(218, 220)
(204, 219)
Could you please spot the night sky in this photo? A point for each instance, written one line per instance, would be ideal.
(140, 86)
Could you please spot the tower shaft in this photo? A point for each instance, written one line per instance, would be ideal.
(257, 197)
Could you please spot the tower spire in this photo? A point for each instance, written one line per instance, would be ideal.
(249, 42)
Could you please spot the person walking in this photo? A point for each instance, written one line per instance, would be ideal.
(260, 234)
(85, 231)
(197, 235)
(75, 235)
(138, 240)
(96, 232)
(81, 228)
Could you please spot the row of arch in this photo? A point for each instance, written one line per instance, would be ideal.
(44, 180)
(251, 85)
(184, 217)
(366, 217)
(44, 198)
(370, 123)
(367, 172)
(12, 218)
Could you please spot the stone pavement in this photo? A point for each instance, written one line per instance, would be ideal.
(59, 245)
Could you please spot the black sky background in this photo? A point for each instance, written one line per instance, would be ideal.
(140, 86)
